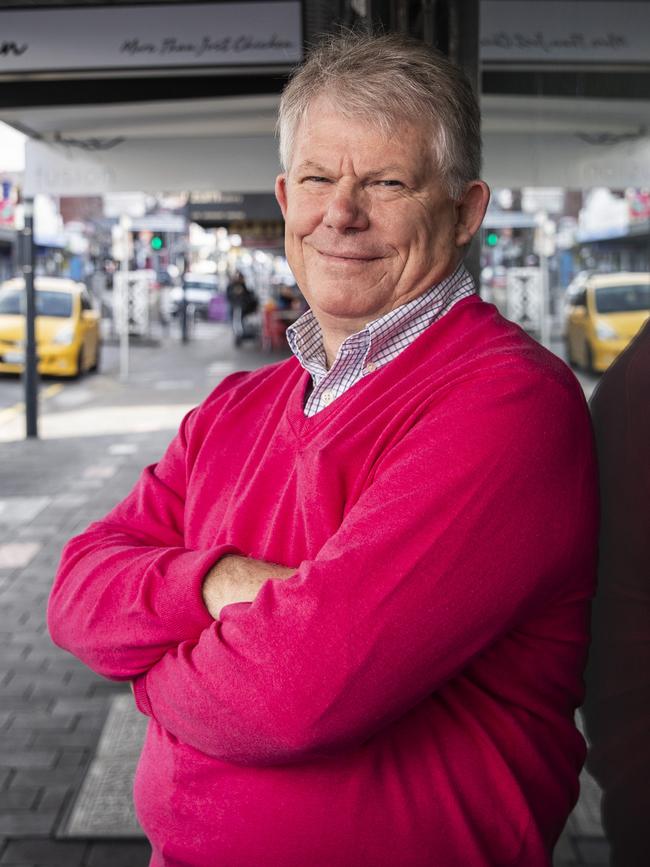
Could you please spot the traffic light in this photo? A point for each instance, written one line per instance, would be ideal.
(156, 243)
(492, 239)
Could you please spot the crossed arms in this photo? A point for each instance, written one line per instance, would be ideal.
(259, 664)
(238, 579)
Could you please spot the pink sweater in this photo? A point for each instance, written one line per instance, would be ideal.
(407, 697)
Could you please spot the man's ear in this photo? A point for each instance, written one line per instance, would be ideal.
(471, 210)
(281, 193)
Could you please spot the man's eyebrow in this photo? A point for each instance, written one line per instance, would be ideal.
(395, 169)
(310, 166)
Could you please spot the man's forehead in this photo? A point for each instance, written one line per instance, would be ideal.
(327, 134)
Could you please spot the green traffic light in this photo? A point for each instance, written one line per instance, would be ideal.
(156, 243)
(492, 239)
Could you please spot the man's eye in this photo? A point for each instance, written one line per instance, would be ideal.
(389, 184)
(315, 179)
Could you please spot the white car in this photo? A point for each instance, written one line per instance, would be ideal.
(199, 290)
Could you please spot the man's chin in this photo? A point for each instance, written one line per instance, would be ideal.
(346, 309)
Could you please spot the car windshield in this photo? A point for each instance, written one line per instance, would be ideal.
(12, 302)
(623, 299)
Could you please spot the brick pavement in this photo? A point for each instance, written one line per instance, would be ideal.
(98, 434)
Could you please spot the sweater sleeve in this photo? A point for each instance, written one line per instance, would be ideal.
(127, 590)
(480, 518)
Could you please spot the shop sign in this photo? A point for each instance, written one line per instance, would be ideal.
(564, 31)
(150, 36)
(223, 209)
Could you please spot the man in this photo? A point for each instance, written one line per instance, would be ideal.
(400, 689)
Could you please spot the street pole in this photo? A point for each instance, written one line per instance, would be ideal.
(125, 225)
(185, 324)
(30, 366)
(185, 332)
(544, 323)
(185, 337)
(544, 246)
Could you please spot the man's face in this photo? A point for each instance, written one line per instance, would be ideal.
(369, 225)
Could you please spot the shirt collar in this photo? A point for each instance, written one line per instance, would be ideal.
(305, 336)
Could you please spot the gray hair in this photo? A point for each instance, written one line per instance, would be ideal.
(387, 80)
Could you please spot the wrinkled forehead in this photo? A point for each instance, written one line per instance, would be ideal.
(328, 121)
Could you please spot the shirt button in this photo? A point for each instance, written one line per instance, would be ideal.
(370, 367)
(327, 397)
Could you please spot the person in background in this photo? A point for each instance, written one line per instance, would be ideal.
(353, 596)
(243, 302)
(287, 298)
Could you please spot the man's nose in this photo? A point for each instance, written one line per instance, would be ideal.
(346, 208)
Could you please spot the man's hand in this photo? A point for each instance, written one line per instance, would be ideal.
(238, 579)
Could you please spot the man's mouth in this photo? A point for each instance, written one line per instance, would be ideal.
(351, 257)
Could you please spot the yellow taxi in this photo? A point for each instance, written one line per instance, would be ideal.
(68, 339)
(603, 314)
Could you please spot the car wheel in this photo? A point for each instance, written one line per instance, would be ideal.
(589, 358)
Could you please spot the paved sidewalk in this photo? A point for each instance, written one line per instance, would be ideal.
(97, 435)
